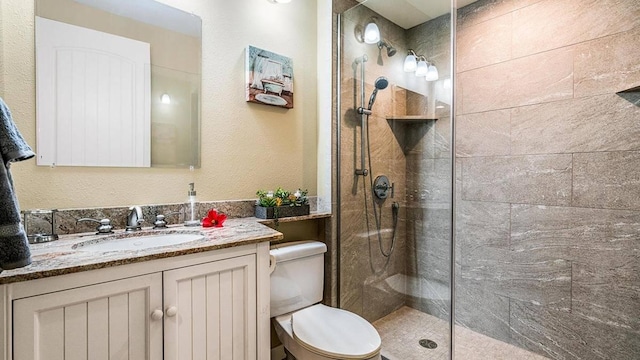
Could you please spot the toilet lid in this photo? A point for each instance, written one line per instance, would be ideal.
(335, 333)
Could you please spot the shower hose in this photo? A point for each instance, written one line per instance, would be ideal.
(395, 207)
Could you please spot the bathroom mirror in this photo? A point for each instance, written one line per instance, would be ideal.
(117, 84)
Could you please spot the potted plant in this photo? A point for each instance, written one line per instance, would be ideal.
(281, 203)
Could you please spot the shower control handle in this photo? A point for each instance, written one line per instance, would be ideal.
(382, 186)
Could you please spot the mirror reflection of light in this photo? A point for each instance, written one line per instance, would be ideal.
(165, 99)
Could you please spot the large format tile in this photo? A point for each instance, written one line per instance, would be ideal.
(540, 282)
(608, 65)
(484, 44)
(532, 179)
(530, 80)
(433, 245)
(607, 180)
(481, 224)
(482, 310)
(430, 180)
(560, 334)
(609, 294)
(600, 237)
(483, 134)
(481, 11)
(551, 24)
(576, 125)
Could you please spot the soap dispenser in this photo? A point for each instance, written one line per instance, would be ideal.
(190, 208)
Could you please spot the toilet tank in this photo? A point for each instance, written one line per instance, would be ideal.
(297, 280)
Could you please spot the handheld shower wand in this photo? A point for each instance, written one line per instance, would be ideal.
(380, 84)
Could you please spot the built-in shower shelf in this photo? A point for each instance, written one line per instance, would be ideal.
(631, 90)
(411, 118)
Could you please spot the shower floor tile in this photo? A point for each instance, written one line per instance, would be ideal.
(404, 328)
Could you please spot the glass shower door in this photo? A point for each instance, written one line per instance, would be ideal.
(395, 173)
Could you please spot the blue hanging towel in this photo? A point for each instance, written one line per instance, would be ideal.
(14, 247)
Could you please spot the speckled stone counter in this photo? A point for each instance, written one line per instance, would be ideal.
(68, 255)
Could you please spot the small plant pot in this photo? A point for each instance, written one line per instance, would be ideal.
(276, 212)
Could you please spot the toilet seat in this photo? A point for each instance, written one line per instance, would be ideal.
(335, 333)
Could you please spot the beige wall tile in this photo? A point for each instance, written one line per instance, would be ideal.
(551, 24)
(532, 179)
(483, 44)
(531, 80)
(607, 180)
(596, 123)
(483, 134)
(608, 65)
(481, 11)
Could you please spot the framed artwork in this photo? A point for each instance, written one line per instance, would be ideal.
(269, 78)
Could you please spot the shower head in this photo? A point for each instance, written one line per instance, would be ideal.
(380, 84)
(390, 49)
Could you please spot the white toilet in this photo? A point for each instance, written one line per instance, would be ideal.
(307, 329)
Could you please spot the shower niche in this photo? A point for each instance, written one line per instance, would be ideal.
(414, 121)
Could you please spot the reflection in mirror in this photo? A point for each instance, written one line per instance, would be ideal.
(118, 84)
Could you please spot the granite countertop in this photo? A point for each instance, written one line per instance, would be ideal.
(61, 257)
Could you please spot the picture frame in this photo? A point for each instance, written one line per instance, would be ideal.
(269, 78)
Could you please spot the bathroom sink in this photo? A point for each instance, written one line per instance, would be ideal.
(140, 242)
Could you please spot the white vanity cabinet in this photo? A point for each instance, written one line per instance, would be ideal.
(103, 321)
(211, 305)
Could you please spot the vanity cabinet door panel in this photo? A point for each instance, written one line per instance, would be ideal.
(210, 311)
(98, 322)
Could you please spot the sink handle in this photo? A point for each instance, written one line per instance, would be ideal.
(104, 226)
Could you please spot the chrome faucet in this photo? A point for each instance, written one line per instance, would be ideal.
(134, 219)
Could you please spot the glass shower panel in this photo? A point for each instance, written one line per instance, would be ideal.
(395, 182)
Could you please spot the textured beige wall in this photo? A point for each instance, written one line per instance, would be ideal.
(245, 146)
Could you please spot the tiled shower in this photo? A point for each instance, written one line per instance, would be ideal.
(545, 206)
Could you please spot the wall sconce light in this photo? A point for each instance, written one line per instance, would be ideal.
(371, 32)
(422, 68)
(420, 65)
(165, 99)
(410, 63)
(432, 73)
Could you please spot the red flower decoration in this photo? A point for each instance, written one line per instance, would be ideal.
(213, 219)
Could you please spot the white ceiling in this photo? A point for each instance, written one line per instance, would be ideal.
(409, 13)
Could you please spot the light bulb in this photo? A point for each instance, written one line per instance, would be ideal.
(432, 73)
(165, 99)
(422, 68)
(410, 63)
(371, 33)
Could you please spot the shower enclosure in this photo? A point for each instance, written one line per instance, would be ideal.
(395, 183)
(517, 235)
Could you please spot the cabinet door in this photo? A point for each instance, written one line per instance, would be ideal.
(210, 311)
(108, 321)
